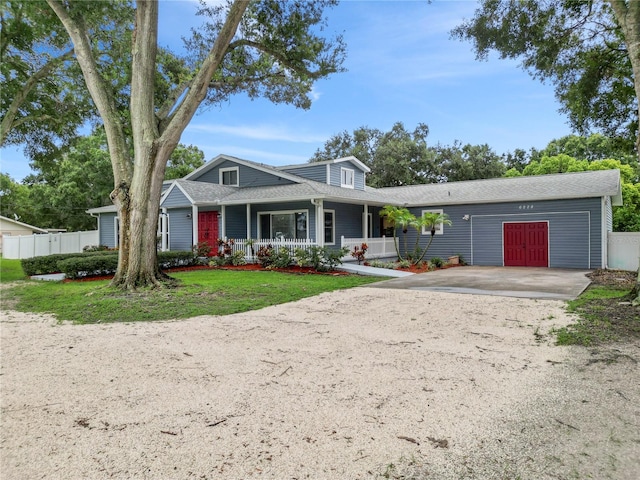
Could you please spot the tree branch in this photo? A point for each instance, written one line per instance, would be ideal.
(100, 93)
(200, 83)
(9, 120)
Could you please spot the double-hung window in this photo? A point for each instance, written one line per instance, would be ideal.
(329, 227)
(346, 177)
(229, 176)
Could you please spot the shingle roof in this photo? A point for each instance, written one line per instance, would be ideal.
(203, 192)
(531, 188)
(306, 189)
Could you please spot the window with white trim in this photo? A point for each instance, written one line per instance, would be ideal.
(329, 227)
(230, 176)
(346, 177)
(439, 227)
(290, 225)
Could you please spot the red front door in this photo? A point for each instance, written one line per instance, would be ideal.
(526, 244)
(208, 228)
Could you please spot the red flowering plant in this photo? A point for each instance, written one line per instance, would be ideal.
(359, 252)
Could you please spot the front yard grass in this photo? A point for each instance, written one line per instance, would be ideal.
(604, 311)
(10, 270)
(201, 292)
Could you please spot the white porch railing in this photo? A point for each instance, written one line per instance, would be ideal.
(240, 245)
(377, 247)
(27, 246)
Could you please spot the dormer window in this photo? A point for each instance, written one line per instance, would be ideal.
(229, 176)
(346, 177)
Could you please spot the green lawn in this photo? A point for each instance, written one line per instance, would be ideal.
(201, 292)
(10, 270)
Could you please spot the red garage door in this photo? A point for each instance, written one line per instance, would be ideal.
(526, 244)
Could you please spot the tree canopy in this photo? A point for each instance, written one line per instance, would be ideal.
(399, 157)
(590, 50)
(264, 48)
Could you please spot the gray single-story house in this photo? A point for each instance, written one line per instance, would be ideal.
(559, 220)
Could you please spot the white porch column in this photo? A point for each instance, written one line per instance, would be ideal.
(319, 203)
(248, 221)
(164, 230)
(194, 223)
(365, 222)
(223, 222)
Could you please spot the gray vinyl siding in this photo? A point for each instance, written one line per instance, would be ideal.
(248, 177)
(236, 221)
(317, 173)
(107, 227)
(176, 199)
(574, 231)
(455, 239)
(180, 229)
(334, 175)
(348, 220)
(275, 207)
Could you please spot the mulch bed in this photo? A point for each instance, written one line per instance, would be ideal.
(294, 269)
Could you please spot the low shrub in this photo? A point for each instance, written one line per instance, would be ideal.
(437, 262)
(49, 263)
(321, 259)
(77, 267)
(180, 258)
(60, 262)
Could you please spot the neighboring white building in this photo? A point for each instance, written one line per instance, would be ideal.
(12, 227)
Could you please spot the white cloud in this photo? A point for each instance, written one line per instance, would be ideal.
(259, 132)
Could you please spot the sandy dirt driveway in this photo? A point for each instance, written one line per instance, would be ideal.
(362, 383)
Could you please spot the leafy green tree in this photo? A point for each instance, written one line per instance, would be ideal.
(589, 50)
(469, 162)
(183, 161)
(14, 200)
(594, 147)
(264, 48)
(397, 157)
(42, 104)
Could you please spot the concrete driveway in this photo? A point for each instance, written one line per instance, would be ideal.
(525, 282)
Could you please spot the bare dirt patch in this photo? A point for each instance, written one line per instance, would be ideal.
(363, 383)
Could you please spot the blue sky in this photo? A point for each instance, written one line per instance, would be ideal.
(402, 66)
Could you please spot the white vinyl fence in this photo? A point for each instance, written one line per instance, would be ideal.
(623, 250)
(290, 245)
(377, 247)
(27, 246)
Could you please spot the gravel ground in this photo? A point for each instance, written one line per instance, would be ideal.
(355, 384)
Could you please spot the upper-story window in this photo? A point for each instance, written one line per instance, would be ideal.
(346, 177)
(229, 176)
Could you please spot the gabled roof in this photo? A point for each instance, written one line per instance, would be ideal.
(199, 193)
(558, 186)
(350, 159)
(258, 166)
(22, 224)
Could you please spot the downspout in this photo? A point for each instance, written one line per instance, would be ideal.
(164, 231)
(319, 204)
(98, 218)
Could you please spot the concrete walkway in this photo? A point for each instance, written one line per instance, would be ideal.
(372, 271)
